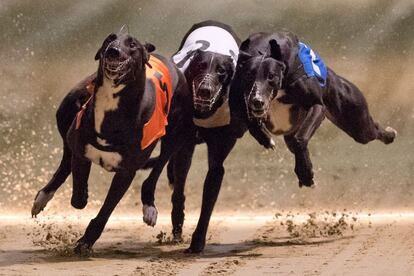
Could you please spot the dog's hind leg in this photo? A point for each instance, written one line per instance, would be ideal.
(219, 147)
(81, 168)
(180, 166)
(298, 144)
(59, 177)
(348, 109)
(120, 184)
(358, 123)
(170, 173)
(363, 129)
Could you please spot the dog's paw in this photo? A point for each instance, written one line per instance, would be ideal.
(197, 245)
(269, 144)
(393, 134)
(150, 214)
(390, 129)
(83, 249)
(178, 237)
(40, 202)
(272, 144)
(309, 184)
(79, 201)
(193, 250)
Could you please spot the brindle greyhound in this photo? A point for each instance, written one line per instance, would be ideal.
(207, 56)
(119, 126)
(283, 86)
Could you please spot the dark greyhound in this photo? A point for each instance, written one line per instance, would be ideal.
(283, 86)
(120, 124)
(207, 56)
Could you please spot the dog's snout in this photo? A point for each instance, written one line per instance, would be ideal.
(258, 102)
(204, 92)
(113, 53)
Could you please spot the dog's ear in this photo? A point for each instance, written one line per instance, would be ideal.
(148, 48)
(98, 54)
(111, 37)
(245, 45)
(243, 56)
(275, 51)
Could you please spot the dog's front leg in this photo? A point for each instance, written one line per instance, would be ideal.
(181, 165)
(219, 148)
(169, 146)
(120, 184)
(81, 167)
(261, 135)
(59, 177)
(298, 144)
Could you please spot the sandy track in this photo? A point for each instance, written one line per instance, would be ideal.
(237, 246)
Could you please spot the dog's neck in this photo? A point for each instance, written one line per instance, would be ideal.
(118, 104)
(107, 99)
(219, 115)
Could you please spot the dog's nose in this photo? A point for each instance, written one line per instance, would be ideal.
(112, 53)
(204, 93)
(258, 102)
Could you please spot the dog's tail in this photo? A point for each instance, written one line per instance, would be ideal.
(150, 163)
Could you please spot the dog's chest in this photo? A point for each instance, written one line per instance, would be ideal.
(105, 101)
(279, 119)
(108, 160)
(220, 118)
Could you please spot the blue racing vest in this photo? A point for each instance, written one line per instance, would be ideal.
(312, 63)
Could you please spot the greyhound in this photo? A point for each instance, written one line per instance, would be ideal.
(284, 88)
(136, 99)
(207, 56)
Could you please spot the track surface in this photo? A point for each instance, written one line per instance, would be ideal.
(260, 245)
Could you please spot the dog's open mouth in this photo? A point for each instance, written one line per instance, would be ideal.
(116, 69)
(206, 92)
(205, 104)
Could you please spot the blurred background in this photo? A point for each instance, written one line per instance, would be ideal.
(46, 47)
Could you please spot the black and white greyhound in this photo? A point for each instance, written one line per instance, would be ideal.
(120, 124)
(283, 87)
(207, 56)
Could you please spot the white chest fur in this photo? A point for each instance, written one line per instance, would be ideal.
(220, 118)
(105, 101)
(279, 115)
(108, 160)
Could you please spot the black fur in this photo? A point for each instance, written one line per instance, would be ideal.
(269, 63)
(121, 128)
(220, 141)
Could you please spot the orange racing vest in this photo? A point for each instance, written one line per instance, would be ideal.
(158, 73)
(160, 76)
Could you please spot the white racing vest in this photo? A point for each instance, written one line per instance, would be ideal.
(212, 39)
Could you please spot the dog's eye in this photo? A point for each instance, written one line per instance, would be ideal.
(220, 70)
(270, 76)
(132, 45)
